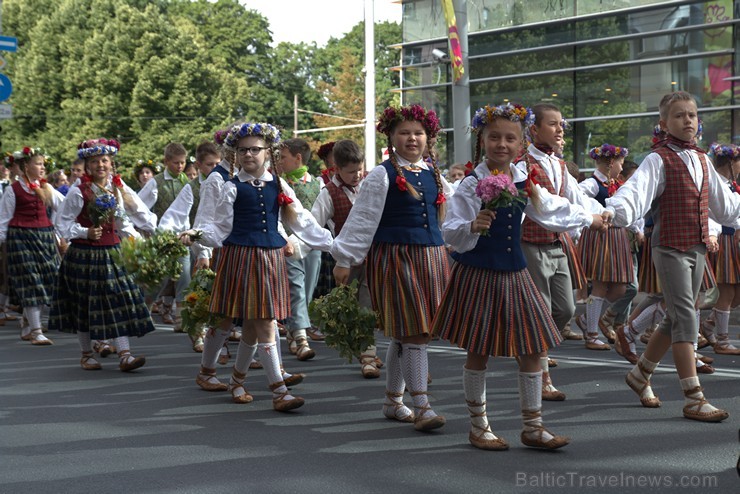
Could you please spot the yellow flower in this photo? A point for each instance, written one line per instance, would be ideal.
(192, 298)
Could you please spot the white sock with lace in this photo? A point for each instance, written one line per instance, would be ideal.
(593, 312)
(721, 327)
(645, 319)
(33, 316)
(85, 342)
(212, 345)
(530, 400)
(124, 350)
(692, 383)
(270, 363)
(244, 354)
(394, 383)
(415, 366)
(278, 344)
(474, 387)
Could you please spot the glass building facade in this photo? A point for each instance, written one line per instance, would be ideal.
(605, 63)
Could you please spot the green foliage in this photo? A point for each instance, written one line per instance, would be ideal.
(196, 313)
(349, 327)
(152, 260)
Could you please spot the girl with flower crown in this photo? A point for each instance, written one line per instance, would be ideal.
(251, 275)
(394, 222)
(491, 306)
(26, 228)
(95, 297)
(605, 256)
(726, 261)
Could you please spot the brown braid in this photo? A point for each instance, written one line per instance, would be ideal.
(477, 150)
(399, 171)
(44, 193)
(128, 202)
(231, 167)
(442, 207)
(289, 213)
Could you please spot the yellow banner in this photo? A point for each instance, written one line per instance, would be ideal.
(454, 41)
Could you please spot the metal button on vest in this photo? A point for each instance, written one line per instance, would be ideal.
(508, 249)
(262, 204)
(264, 221)
(264, 212)
(424, 204)
(509, 227)
(418, 183)
(509, 215)
(426, 226)
(424, 215)
(264, 230)
(508, 238)
(421, 193)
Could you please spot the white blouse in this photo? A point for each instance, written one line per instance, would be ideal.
(323, 208)
(127, 217)
(634, 199)
(351, 246)
(555, 213)
(7, 206)
(304, 226)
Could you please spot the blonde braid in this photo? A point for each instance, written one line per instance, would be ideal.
(441, 207)
(123, 196)
(477, 150)
(44, 192)
(289, 213)
(399, 171)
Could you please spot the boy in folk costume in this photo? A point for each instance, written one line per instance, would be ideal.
(680, 187)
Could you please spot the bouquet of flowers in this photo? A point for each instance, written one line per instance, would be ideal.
(349, 327)
(152, 260)
(102, 210)
(498, 191)
(195, 315)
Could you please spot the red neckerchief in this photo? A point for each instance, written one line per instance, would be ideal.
(342, 183)
(669, 139)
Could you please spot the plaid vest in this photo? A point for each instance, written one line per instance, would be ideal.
(342, 206)
(683, 210)
(167, 191)
(531, 231)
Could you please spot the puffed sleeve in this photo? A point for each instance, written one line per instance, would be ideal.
(589, 187)
(351, 246)
(557, 213)
(177, 217)
(323, 207)
(633, 199)
(139, 214)
(305, 226)
(66, 219)
(219, 229)
(149, 193)
(464, 207)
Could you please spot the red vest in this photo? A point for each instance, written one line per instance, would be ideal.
(684, 210)
(531, 231)
(110, 235)
(30, 210)
(342, 206)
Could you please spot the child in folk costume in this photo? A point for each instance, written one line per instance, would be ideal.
(6, 183)
(396, 218)
(678, 184)
(251, 277)
(304, 264)
(180, 216)
(545, 250)
(113, 306)
(30, 242)
(727, 260)
(326, 154)
(491, 306)
(326, 276)
(332, 208)
(605, 256)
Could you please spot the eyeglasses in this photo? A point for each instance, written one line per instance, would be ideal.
(254, 150)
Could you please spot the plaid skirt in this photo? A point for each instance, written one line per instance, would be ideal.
(4, 281)
(95, 295)
(251, 283)
(577, 276)
(497, 313)
(33, 264)
(406, 284)
(606, 256)
(726, 262)
(326, 276)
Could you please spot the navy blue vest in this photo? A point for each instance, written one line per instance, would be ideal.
(255, 216)
(220, 170)
(501, 250)
(603, 192)
(407, 220)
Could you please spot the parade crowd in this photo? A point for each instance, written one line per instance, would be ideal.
(490, 256)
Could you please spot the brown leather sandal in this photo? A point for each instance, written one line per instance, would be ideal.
(554, 443)
(397, 406)
(88, 362)
(476, 436)
(693, 410)
(235, 385)
(203, 379)
(280, 403)
(430, 423)
(637, 388)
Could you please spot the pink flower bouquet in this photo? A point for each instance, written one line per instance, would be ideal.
(498, 191)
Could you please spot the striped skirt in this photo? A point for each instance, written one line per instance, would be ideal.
(708, 281)
(96, 295)
(726, 262)
(647, 277)
(406, 285)
(497, 313)
(606, 256)
(33, 264)
(577, 276)
(251, 283)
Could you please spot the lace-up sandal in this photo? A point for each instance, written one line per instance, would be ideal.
(477, 435)
(396, 410)
(639, 387)
(88, 362)
(208, 381)
(283, 404)
(239, 393)
(693, 410)
(368, 367)
(430, 423)
(539, 431)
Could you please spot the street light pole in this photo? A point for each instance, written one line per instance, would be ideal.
(461, 90)
(370, 157)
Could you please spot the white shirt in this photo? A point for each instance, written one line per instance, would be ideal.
(556, 213)
(323, 208)
(129, 214)
(210, 193)
(304, 226)
(7, 206)
(351, 246)
(551, 166)
(177, 216)
(635, 198)
(149, 193)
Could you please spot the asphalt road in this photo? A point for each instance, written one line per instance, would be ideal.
(63, 429)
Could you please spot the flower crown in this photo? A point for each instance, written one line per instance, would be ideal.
(157, 167)
(325, 150)
(219, 136)
(8, 158)
(28, 152)
(720, 150)
(510, 111)
(608, 151)
(269, 132)
(97, 147)
(393, 114)
(660, 134)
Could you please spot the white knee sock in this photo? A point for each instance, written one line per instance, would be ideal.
(394, 382)
(415, 366)
(212, 345)
(530, 400)
(646, 318)
(593, 312)
(85, 342)
(244, 354)
(124, 350)
(721, 324)
(270, 363)
(33, 315)
(474, 386)
(278, 344)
